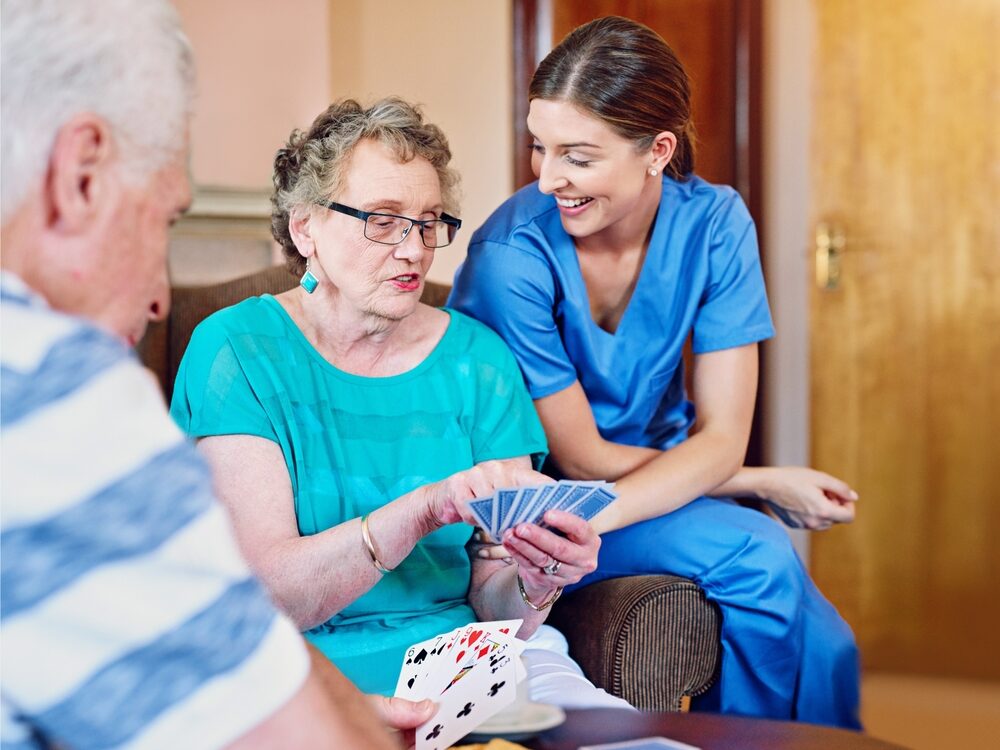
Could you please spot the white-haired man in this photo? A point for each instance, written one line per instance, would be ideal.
(128, 618)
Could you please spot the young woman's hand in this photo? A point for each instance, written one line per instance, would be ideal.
(805, 498)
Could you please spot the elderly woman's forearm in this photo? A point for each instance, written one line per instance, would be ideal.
(312, 578)
(495, 596)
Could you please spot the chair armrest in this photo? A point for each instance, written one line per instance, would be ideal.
(435, 294)
(154, 353)
(649, 639)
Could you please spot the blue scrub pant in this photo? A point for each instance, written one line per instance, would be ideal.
(786, 653)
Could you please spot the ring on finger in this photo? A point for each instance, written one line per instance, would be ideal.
(552, 568)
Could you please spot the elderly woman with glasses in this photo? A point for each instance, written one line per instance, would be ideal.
(349, 424)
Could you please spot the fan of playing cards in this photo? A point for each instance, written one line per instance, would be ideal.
(506, 508)
(471, 673)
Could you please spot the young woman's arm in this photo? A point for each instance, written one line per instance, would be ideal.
(813, 499)
(651, 482)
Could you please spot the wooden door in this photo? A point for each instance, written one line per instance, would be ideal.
(906, 349)
(719, 43)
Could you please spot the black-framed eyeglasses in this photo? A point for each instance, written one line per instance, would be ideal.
(390, 229)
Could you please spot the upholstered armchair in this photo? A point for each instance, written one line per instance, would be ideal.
(653, 639)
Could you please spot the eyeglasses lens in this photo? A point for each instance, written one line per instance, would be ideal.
(387, 229)
(438, 234)
(391, 230)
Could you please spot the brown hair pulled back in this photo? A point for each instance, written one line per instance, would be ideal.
(625, 74)
(313, 165)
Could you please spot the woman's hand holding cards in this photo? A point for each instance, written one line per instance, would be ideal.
(447, 501)
(541, 525)
(510, 507)
(546, 560)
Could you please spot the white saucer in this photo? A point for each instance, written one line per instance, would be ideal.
(528, 720)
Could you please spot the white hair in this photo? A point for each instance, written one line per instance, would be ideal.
(127, 61)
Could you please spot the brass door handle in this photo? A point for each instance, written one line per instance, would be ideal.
(830, 243)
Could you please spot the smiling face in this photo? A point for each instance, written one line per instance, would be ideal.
(599, 179)
(374, 279)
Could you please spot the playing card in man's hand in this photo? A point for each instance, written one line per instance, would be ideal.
(473, 643)
(463, 707)
(420, 662)
(471, 673)
(413, 667)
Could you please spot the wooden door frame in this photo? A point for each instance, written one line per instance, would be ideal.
(531, 17)
(527, 15)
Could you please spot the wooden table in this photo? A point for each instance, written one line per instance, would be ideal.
(707, 731)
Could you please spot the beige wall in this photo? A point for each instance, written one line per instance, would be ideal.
(263, 68)
(452, 56)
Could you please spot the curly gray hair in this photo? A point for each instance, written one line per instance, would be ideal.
(311, 167)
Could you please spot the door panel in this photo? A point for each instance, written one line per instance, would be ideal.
(719, 43)
(703, 34)
(906, 350)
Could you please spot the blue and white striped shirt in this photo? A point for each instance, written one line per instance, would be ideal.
(128, 617)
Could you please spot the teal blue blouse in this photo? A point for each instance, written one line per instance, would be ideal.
(353, 444)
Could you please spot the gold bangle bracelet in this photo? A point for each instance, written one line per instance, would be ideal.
(366, 537)
(537, 607)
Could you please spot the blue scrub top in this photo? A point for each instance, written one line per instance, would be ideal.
(701, 276)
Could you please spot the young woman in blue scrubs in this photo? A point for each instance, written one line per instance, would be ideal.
(595, 276)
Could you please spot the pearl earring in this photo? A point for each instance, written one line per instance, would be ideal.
(653, 172)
